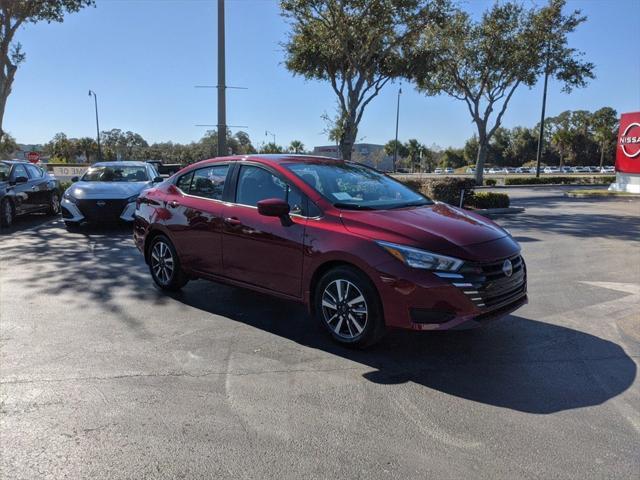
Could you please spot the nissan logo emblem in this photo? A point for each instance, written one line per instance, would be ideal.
(100, 203)
(507, 268)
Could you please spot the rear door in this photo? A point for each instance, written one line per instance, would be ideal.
(39, 186)
(196, 217)
(261, 250)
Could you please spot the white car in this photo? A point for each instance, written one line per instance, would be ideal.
(551, 170)
(470, 170)
(438, 171)
(581, 170)
(448, 171)
(566, 170)
(608, 169)
(107, 192)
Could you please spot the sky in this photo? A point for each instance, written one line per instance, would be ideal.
(145, 57)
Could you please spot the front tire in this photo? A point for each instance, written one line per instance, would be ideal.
(347, 304)
(164, 265)
(7, 213)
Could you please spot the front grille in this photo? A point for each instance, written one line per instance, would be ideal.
(488, 286)
(106, 211)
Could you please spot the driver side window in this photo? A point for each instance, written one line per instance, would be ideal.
(255, 184)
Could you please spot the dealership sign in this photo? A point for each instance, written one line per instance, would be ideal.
(628, 150)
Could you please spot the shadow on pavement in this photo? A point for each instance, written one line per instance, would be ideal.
(25, 222)
(516, 363)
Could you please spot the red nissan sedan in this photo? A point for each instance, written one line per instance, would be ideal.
(360, 249)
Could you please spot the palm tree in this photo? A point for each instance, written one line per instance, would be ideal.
(414, 151)
(296, 146)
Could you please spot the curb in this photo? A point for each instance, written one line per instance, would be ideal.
(603, 196)
(487, 212)
(542, 185)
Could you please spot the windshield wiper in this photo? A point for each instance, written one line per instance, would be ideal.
(420, 203)
(352, 206)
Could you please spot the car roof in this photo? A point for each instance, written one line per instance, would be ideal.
(14, 162)
(120, 163)
(273, 158)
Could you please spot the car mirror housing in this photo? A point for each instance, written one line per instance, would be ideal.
(74, 179)
(274, 207)
(158, 179)
(21, 179)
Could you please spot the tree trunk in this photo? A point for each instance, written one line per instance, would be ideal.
(347, 140)
(561, 160)
(601, 154)
(483, 148)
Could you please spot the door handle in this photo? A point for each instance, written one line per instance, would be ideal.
(173, 204)
(232, 221)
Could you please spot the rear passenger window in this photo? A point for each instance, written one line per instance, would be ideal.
(34, 172)
(209, 182)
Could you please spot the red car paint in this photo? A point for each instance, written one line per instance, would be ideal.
(232, 243)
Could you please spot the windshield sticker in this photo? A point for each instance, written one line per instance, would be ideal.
(342, 196)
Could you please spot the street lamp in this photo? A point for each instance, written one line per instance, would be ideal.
(267, 132)
(95, 99)
(395, 149)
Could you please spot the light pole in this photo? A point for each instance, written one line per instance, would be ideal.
(395, 149)
(273, 135)
(222, 99)
(95, 100)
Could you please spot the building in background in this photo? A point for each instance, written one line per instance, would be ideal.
(367, 153)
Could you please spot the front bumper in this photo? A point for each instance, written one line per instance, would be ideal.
(97, 210)
(479, 293)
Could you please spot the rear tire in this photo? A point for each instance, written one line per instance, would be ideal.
(7, 213)
(54, 204)
(72, 226)
(164, 265)
(347, 304)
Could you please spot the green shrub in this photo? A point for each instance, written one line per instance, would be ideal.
(445, 189)
(490, 182)
(488, 200)
(64, 185)
(558, 180)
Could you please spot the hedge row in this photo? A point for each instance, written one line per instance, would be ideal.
(573, 180)
(489, 200)
(445, 190)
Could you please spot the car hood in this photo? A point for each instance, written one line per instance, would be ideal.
(439, 227)
(106, 190)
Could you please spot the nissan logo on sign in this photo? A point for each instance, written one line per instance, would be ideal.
(628, 147)
(630, 140)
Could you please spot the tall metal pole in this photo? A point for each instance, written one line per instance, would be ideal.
(222, 105)
(395, 150)
(95, 100)
(544, 105)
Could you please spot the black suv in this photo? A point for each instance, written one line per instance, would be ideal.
(26, 188)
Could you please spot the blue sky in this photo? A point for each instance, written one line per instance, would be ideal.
(144, 57)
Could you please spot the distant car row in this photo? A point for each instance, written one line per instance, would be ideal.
(531, 170)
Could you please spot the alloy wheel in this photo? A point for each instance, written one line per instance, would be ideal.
(162, 262)
(55, 203)
(344, 309)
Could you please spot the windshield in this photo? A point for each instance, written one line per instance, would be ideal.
(352, 186)
(4, 172)
(110, 173)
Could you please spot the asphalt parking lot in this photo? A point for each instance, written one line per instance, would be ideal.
(102, 376)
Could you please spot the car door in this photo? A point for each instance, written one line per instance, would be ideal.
(26, 198)
(39, 186)
(196, 217)
(261, 250)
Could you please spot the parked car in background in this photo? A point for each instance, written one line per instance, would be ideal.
(448, 171)
(594, 169)
(107, 192)
(438, 171)
(551, 170)
(566, 170)
(608, 169)
(165, 169)
(470, 170)
(26, 188)
(495, 170)
(363, 251)
(580, 169)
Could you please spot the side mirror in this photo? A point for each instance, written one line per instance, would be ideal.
(21, 180)
(158, 179)
(275, 207)
(74, 179)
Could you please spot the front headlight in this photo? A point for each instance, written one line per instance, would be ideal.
(67, 195)
(416, 258)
